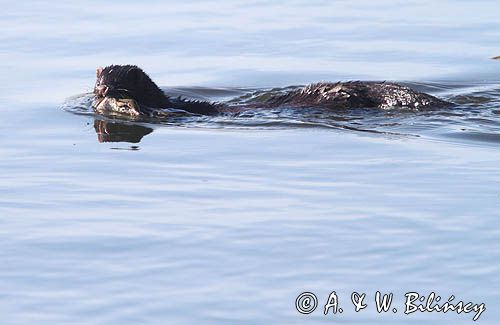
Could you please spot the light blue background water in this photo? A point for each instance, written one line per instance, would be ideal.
(230, 225)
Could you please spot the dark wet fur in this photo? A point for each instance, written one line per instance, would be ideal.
(129, 81)
(195, 106)
(355, 94)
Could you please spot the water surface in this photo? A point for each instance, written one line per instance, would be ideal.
(229, 220)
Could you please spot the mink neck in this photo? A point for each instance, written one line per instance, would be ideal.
(156, 99)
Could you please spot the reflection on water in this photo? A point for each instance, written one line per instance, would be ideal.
(119, 131)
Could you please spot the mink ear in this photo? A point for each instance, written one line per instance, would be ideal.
(134, 74)
(98, 71)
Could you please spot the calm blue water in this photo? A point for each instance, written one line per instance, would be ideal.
(228, 221)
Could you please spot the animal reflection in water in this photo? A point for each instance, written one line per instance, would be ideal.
(119, 132)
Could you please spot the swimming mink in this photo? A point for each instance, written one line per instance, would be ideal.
(126, 89)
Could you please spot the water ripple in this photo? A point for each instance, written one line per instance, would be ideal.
(474, 118)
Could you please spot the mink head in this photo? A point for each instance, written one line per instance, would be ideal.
(128, 81)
